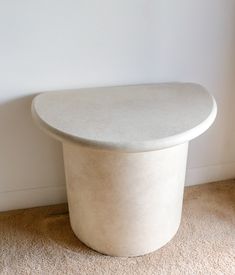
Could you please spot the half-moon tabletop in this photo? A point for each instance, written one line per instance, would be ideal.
(131, 118)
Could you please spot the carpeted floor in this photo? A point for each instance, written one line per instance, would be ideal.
(40, 241)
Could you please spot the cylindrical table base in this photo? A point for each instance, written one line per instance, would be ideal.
(125, 204)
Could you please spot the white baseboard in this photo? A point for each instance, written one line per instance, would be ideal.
(205, 174)
(26, 198)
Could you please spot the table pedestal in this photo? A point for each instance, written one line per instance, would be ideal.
(125, 204)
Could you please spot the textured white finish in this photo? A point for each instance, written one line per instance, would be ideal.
(125, 201)
(125, 204)
(129, 118)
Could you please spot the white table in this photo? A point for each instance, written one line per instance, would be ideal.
(125, 152)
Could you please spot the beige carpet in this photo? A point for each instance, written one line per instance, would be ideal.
(40, 241)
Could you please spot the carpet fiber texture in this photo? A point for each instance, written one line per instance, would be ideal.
(40, 241)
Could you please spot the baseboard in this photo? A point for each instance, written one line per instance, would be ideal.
(205, 174)
(18, 199)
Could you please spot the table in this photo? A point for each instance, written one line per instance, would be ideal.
(125, 153)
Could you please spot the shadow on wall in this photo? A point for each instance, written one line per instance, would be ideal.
(29, 159)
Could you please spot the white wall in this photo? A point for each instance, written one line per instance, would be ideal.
(59, 44)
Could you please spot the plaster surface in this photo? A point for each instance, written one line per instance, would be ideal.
(125, 204)
(128, 118)
(125, 152)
